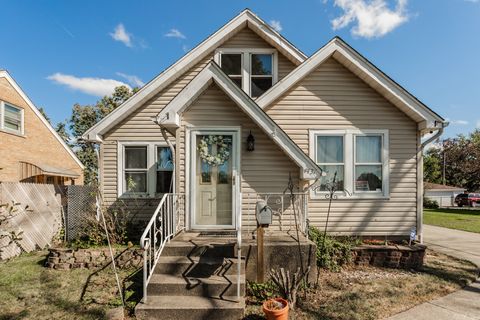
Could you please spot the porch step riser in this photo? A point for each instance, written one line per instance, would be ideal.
(196, 251)
(190, 314)
(197, 269)
(195, 289)
(235, 311)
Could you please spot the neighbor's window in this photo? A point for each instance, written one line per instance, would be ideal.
(329, 157)
(136, 169)
(164, 170)
(11, 118)
(368, 163)
(232, 66)
(359, 157)
(254, 70)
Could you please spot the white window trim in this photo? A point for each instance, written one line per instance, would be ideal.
(246, 63)
(2, 119)
(151, 168)
(349, 162)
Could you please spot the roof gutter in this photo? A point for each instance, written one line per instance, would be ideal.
(439, 132)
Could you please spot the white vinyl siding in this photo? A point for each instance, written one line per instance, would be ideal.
(138, 126)
(265, 170)
(333, 98)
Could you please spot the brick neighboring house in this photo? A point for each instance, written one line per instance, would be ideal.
(30, 149)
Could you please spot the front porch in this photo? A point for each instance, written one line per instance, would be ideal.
(202, 275)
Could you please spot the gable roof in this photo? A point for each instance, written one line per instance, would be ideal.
(440, 187)
(13, 83)
(244, 19)
(365, 70)
(170, 115)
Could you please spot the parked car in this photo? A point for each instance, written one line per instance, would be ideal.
(468, 199)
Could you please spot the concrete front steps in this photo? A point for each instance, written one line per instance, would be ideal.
(195, 278)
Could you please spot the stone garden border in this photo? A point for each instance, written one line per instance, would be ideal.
(67, 258)
(390, 256)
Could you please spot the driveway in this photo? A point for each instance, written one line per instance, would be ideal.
(463, 304)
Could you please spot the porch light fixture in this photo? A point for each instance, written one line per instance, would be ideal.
(250, 142)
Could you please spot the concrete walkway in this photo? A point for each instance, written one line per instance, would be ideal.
(463, 304)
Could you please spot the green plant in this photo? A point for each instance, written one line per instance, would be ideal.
(259, 292)
(7, 237)
(429, 203)
(117, 220)
(332, 253)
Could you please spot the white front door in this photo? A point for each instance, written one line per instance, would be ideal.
(213, 178)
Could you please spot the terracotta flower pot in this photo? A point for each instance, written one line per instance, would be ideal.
(278, 313)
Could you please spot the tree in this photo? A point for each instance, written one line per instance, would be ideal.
(462, 162)
(44, 114)
(432, 165)
(83, 118)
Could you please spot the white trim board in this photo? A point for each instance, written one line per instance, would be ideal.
(6, 75)
(245, 19)
(169, 117)
(360, 66)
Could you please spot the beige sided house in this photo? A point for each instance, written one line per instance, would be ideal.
(245, 112)
(30, 149)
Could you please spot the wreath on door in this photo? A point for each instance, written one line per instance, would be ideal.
(223, 152)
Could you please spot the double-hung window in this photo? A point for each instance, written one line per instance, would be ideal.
(146, 169)
(164, 165)
(261, 74)
(358, 159)
(11, 118)
(329, 155)
(253, 70)
(368, 163)
(136, 170)
(232, 65)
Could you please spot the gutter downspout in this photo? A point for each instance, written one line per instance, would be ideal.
(420, 192)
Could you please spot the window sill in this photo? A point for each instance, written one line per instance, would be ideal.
(20, 135)
(343, 196)
(138, 197)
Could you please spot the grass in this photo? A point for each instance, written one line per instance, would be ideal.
(376, 293)
(31, 291)
(460, 219)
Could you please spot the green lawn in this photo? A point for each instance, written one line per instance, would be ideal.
(28, 290)
(466, 220)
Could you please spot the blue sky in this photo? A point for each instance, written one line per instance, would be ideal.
(431, 47)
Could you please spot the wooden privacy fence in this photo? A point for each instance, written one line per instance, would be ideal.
(38, 215)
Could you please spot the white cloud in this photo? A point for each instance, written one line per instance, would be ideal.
(457, 122)
(372, 18)
(175, 33)
(121, 34)
(132, 79)
(276, 25)
(93, 86)
(478, 123)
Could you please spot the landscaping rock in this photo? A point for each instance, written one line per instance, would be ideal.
(403, 257)
(64, 259)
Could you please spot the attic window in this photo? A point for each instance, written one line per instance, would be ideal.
(232, 66)
(253, 70)
(11, 118)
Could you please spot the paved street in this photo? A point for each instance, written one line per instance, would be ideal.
(463, 304)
